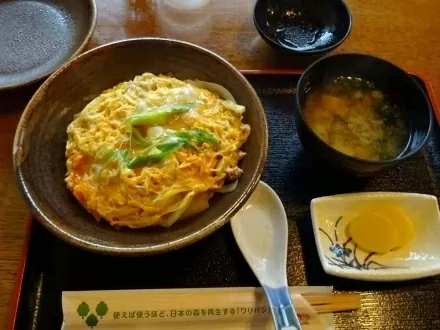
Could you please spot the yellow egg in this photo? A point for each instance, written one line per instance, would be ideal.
(373, 232)
(402, 223)
(100, 148)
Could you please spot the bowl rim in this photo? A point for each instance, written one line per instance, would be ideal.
(273, 43)
(92, 26)
(19, 154)
(339, 153)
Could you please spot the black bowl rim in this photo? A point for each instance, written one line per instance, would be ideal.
(375, 162)
(77, 51)
(208, 229)
(273, 43)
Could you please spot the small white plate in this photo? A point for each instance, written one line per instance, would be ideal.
(421, 258)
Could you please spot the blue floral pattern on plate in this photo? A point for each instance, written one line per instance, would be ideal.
(345, 257)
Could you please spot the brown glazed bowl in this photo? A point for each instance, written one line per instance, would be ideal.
(40, 141)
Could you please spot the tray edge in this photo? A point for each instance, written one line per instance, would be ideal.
(17, 294)
(431, 95)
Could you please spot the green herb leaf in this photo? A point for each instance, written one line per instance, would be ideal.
(203, 136)
(123, 157)
(157, 153)
(115, 159)
(145, 159)
(170, 144)
(183, 134)
(198, 134)
(157, 116)
(104, 153)
(137, 137)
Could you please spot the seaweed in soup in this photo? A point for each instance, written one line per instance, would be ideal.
(356, 118)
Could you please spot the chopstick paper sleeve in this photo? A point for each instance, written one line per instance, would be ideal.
(215, 308)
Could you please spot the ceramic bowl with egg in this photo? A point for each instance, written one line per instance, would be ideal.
(40, 143)
(378, 236)
(360, 113)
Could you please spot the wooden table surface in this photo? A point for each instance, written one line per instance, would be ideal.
(404, 32)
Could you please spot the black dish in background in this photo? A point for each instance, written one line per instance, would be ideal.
(303, 26)
(53, 266)
(402, 89)
(37, 37)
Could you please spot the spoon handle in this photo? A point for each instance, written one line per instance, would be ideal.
(283, 312)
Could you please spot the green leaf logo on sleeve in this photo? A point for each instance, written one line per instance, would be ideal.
(83, 309)
(92, 320)
(101, 309)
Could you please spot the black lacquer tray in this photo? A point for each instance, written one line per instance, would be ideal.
(50, 266)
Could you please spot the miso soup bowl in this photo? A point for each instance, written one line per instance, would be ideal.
(400, 87)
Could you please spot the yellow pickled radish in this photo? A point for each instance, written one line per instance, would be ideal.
(373, 232)
(402, 223)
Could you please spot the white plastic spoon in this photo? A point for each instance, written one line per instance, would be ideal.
(260, 229)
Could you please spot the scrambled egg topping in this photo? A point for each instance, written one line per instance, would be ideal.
(154, 150)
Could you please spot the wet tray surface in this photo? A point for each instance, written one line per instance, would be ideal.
(51, 266)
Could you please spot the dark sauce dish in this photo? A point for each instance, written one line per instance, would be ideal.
(400, 87)
(303, 26)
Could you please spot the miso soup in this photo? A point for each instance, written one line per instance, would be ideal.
(357, 119)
